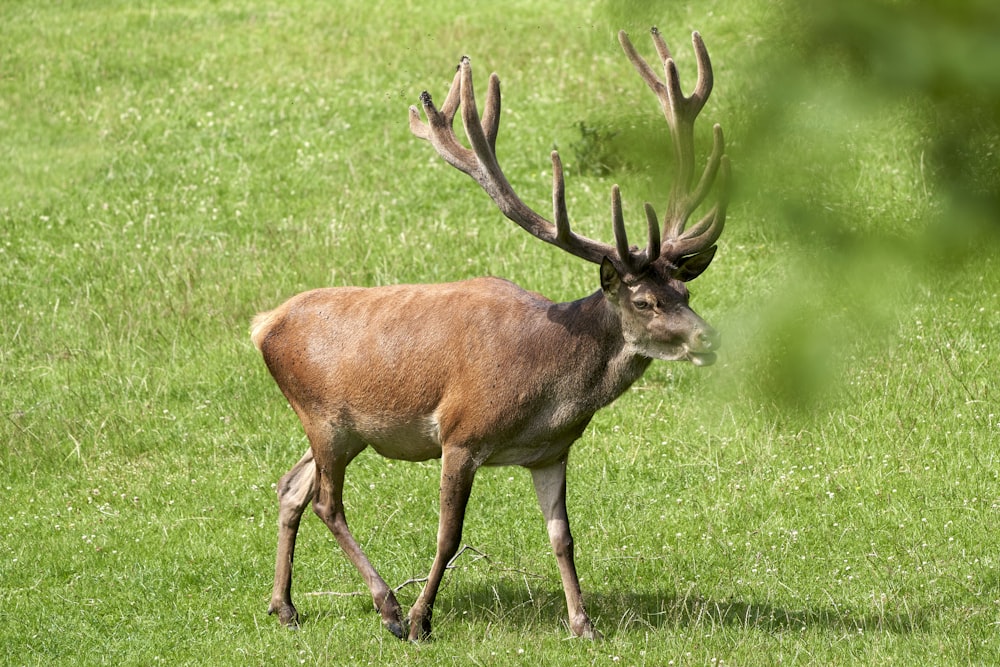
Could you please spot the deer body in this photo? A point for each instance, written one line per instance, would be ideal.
(510, 373)
(482, 372)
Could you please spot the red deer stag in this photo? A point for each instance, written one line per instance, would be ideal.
(482, 372)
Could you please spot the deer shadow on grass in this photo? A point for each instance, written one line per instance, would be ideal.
(517, 605)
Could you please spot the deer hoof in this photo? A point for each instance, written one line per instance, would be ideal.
(391, 615)
(397, 628)
(585, 630)
(287, 615)
(420, 629)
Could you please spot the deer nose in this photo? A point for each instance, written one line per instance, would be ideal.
(709, 339)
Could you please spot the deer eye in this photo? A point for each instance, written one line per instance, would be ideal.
(643, 304)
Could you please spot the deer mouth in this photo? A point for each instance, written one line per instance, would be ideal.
(702, 358)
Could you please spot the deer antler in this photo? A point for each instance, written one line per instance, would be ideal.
(480, 162)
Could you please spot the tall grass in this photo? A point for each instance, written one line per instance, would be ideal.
(825, 494)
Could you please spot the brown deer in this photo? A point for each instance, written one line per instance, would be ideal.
(482, 372)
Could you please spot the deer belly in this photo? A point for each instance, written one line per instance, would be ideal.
(532, 456)
(412, 441)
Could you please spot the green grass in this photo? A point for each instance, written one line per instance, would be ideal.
(824, 495)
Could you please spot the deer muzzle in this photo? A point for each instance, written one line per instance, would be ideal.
(703, 346)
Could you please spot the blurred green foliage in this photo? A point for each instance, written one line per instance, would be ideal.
(887, 115)
(865, 139)
(942, 57)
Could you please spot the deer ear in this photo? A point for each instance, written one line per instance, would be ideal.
(610, 280)
(693, 266)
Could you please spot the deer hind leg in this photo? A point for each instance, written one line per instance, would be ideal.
(295, 489)
(550, 487)
(457, 472)
(332, 458)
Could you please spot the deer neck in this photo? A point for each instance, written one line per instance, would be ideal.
(606, 365)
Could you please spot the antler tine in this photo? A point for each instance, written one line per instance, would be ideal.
(454, 96)
(474, 125)
(640, 64)
(635, 262)
(621, 238)
(706, 78)
(698, 195)
(491, 114)
(661, 46)
(418, 127)
(701, 236)
(563, 232)
(654, 233)
(438, 128)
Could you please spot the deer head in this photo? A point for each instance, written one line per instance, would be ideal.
(645, 286)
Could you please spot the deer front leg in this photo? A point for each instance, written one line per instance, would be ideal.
(457, 473)
(295, 489)
(550, 487)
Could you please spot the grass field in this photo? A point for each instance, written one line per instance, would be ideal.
(825, 494)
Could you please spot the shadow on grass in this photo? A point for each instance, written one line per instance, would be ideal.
(673, 610)
(513, 605)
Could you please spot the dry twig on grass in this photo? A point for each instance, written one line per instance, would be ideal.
(479, 555)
